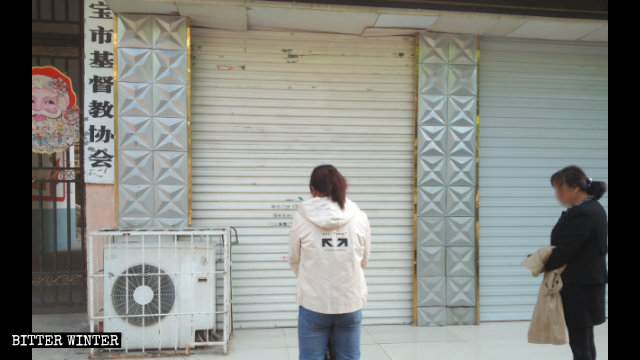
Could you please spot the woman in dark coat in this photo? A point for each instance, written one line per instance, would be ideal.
(580, 239)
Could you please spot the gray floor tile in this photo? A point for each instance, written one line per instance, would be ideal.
(373, 352)
(391, 334)
(291, 336)
(260, 338)
(487, 341)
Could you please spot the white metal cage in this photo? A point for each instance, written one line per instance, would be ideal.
(162, 289)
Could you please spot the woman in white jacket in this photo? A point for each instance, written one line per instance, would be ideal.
(329, 245)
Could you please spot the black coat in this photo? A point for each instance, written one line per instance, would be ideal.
(580, 237)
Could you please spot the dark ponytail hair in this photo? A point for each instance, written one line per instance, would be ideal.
(574, 176)
(327, 180)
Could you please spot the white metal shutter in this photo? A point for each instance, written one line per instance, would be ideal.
(267, 107)
(543, 106)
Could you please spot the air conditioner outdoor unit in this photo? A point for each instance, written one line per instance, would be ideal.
(160, 294)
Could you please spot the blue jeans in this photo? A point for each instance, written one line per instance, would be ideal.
(314, 330)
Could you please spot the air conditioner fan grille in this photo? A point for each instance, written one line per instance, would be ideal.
(143, 289)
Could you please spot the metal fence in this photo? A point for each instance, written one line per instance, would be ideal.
(163, 289)
(57, 232)
(58, 276)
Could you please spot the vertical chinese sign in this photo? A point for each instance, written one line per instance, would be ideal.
(98, 96)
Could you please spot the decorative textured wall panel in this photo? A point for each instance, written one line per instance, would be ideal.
(136, 133)
(432, 290)
(432, 315)
(446, 179)
(152, 111)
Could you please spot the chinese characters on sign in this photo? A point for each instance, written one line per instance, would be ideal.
(98, 95)
(284, 212)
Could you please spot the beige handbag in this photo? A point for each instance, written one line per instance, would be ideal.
(547, 323)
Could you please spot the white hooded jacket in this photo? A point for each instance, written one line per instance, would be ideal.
(328, 250)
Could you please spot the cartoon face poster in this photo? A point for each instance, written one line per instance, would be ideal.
(54, 113)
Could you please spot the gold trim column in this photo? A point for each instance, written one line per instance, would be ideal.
(415, 180)
(115, 118)
(189, 152)
(477, 205)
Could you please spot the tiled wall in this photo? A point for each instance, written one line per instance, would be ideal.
(446, 179)
(152, 115)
